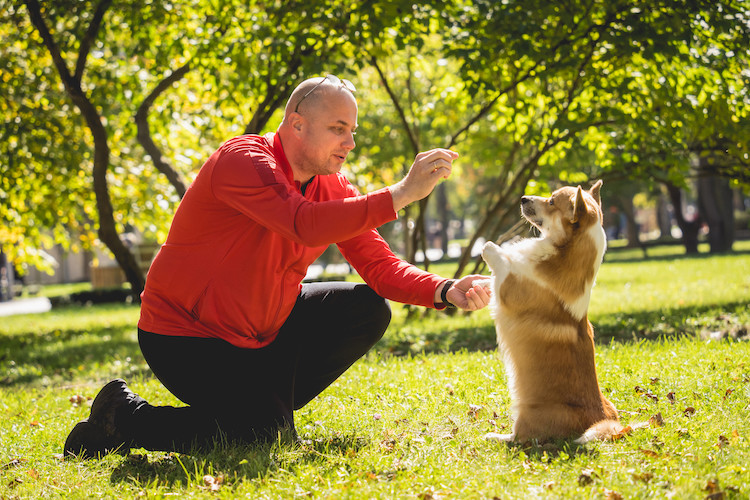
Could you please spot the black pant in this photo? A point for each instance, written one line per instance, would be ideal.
(249, 394)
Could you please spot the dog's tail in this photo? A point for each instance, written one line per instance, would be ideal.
(613, 430)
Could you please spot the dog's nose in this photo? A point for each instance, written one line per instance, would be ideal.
(525, 200)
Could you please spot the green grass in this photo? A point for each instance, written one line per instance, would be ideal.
(407, 421)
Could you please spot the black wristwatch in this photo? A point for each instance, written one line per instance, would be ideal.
(444, 294)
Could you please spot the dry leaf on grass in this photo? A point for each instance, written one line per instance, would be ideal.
(644, 477)
(586, 477)
(611, 495)
(656, 420)
(474, 410)
(15, 462)
(213, 483)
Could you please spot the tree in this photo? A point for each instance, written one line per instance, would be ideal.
(113, 70)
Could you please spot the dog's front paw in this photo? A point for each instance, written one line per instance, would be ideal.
(494, 256)
(487, 283)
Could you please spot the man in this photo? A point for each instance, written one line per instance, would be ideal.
(226, 324)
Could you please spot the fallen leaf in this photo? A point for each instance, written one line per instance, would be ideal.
(586, 477)
(649, 453)
(671, 397)
(77, 399)
(15, 482)
(656, 420)
(712, 486)
(723, 441)
(689, 411)
(33, 474)
(611, 495)
(14, 463)
(728, 393)
(388, 445)
(654, 380)
(474, 410)
(213, 483)
(643, 477)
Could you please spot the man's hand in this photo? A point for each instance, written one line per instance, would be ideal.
(467, 296)
(426, 171)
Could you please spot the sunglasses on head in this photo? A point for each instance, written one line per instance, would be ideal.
(334, 80)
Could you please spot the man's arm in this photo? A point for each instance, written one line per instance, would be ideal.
(426, 171)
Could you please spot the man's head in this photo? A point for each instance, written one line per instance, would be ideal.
(318, 127)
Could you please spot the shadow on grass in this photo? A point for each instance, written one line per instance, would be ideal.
(631, 255)
(233, 463)
(711, 321)
(28, 357)
(730, 320)
(68, 353)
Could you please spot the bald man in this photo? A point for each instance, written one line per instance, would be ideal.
(226, 323)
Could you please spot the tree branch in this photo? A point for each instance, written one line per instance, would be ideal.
(144, 131)
(89, 38)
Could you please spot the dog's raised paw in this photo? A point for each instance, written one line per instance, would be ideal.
(495, 258)
(483, 283)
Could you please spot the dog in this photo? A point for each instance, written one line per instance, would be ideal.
(540, 297)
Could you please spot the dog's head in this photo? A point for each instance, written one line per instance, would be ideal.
(567, 211)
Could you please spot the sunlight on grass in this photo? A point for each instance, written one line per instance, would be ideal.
(407, 420)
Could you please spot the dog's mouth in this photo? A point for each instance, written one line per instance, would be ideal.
(529, 213)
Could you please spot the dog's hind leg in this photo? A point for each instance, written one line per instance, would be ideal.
(494, 436)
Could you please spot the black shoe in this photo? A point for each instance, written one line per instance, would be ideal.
(99, 434)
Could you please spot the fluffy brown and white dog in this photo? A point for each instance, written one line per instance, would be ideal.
(541, 290)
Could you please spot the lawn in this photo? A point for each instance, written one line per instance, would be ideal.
(407, 421)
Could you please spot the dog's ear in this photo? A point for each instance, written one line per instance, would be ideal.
(594, 191)
(579, 206)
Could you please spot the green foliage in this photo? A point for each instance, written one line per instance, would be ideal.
(528, 92)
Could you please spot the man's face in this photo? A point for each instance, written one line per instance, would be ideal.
(328, 132)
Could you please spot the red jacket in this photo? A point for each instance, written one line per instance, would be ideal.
(244, 235)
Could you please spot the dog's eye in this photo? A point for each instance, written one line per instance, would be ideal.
(551, 201)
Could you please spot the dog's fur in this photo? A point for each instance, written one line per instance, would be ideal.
(541, 289)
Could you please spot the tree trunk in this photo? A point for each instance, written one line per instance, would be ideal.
(107, 228)
(689, 228)
(632, 231)
(715, 206)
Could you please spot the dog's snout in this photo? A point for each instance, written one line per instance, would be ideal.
(525, 200)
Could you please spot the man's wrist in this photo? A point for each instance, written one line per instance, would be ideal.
(444, 294)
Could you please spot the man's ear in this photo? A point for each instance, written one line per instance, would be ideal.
(296, 120)
(579, 206)
(594, 191)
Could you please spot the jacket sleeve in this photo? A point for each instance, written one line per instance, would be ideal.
(390, 276)
(387, 274)
(252, 183)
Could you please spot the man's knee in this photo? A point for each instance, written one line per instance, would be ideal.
(378, 313)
